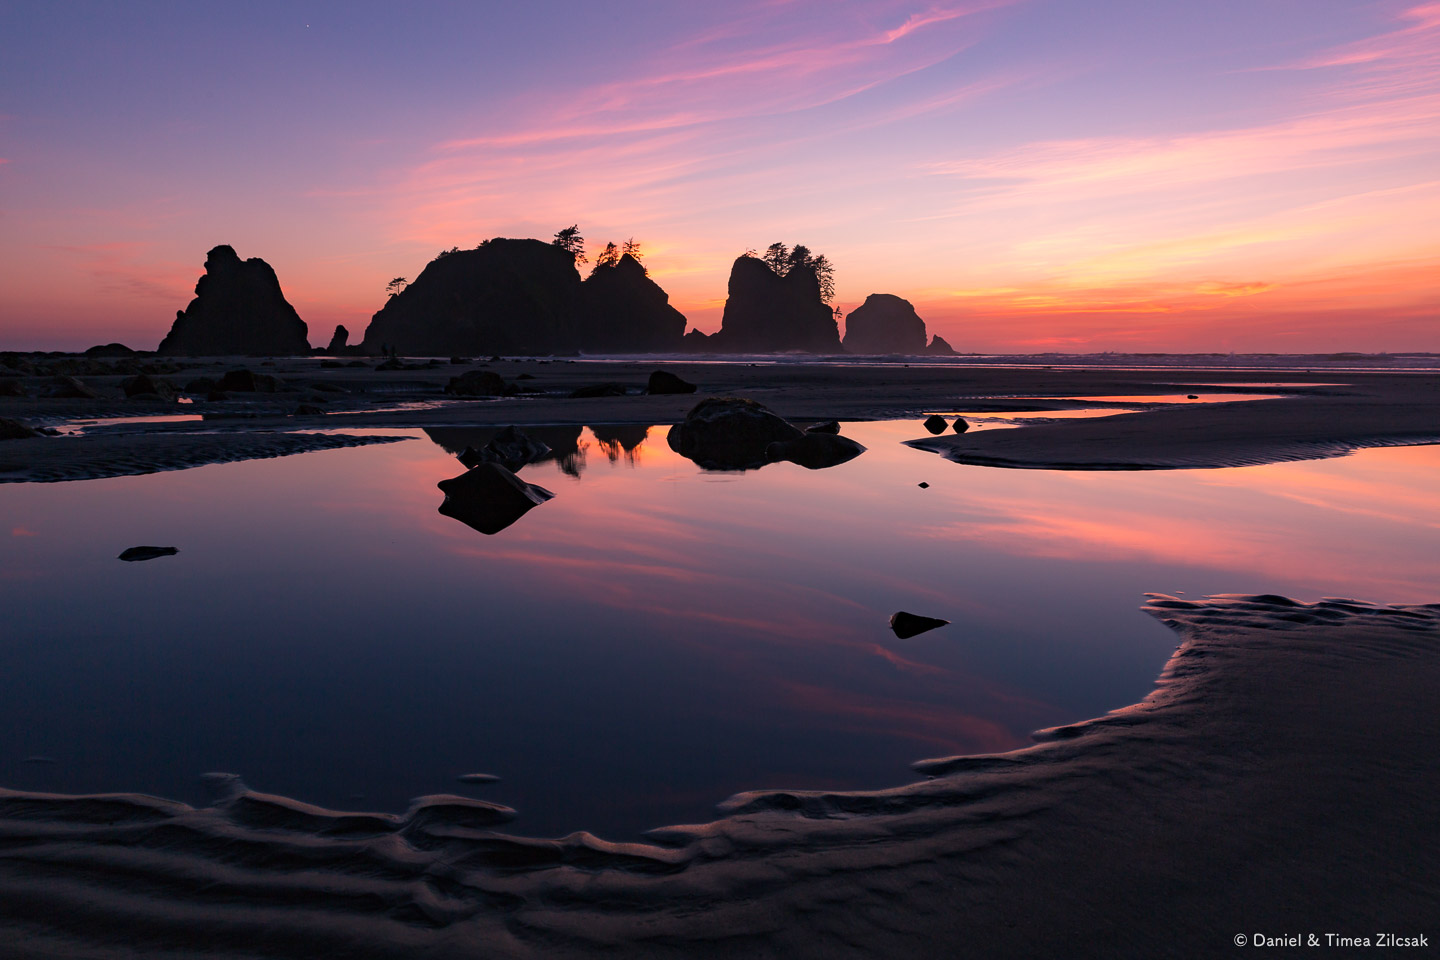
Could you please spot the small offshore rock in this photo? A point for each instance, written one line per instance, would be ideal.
(663, 382)
(935, 423)
(147, 553)
(961, 425)
(923, 485)
(907, 625)
(1191, 396)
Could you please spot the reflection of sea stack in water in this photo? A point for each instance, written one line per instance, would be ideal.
(624, 311)
(504, 297)
(238, 309)
(769, 313)
(729, 433)
(489, 497)
(885, 323)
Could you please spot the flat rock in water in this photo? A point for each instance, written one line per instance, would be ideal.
(148, 553)
(815, 451)
(961, 425)
(489, 498)
(907, 625)
(935, 424)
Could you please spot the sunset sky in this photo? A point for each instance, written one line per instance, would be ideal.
(1035, 175)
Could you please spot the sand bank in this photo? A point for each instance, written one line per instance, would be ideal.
(1279, 780)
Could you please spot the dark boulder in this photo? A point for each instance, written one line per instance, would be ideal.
(68, 388)
(248, 381)
(476, 383)
(598, 390)
(815, 451)
(884, 323)
(11, 387)
(935, 423)
(624, 311)
(662, 382)
(146, 385)
(729, 433)
(15, 430)
(939, 348)
(338, 340)
(768, 313)
(961, 425)
(110, 350)
(907, 625)
(201, 386)
(489, 498)
(309, 410)
(511, 448)
(147, 553)
(829, 426)
(238, 309)
(506, 296)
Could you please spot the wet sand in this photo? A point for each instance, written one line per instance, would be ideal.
(1279, 780)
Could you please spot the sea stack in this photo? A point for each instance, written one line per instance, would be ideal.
(238, 309)
(939, 347)
(769, 313)
(624, 311)
(504, 297)
(885, 323)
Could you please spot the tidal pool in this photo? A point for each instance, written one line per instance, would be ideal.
(648, 642)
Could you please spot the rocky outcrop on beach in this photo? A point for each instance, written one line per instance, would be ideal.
(730, 433)
(338, 340)
(238, 309)
(15, 430)
(476, 383)
(145, 386)
(769, 313)
(504, 297)
(884, 324)
(663, 382)
(624, 311)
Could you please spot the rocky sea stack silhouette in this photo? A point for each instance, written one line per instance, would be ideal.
(624, 311)
(504, 297)
(883, 324)
(769, 313)
(238, 309)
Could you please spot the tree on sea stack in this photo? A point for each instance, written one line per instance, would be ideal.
(570, 241)
(395, 286)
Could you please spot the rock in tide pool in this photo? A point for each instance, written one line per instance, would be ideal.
(489, 498)
(961, 425)
(815, 451)
(829, 426)
(147, 553)
(923, 485)
(729, 433)
(935, 423)
(663, 382)
(907, 625)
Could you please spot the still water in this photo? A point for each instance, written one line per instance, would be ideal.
(648, 642)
